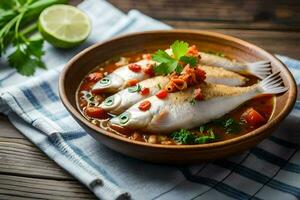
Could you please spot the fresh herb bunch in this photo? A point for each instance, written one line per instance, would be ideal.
(169, 64)
(17, 21)
(184, 136)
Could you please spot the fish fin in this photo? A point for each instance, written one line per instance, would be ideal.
(273, 84)
(260, 69)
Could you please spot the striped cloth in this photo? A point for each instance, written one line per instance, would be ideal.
(271, 170)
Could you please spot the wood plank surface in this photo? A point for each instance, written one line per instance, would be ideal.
(27, 173)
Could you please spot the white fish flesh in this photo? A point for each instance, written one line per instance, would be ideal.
(177, 111)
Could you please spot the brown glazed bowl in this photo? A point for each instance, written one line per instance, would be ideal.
(88, 59)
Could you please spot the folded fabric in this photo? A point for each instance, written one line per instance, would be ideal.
(271, 170)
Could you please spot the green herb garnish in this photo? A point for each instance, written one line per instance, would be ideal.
(136, 88)
(203, 128)
(190, 60)
(206, 138)
(229, 125)
(192, 101)
(184, 136)
(159, 86)
(170, 64)
(27, 51)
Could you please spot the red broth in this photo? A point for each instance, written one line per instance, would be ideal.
(263, 105)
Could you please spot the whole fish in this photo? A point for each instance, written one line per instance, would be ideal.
(177, 111)
(260, 69)
(120, 101)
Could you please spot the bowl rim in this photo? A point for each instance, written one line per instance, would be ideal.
(219, 144)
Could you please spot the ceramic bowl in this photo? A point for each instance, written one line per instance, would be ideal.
(79, 66)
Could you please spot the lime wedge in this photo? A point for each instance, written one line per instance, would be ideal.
(64, 26)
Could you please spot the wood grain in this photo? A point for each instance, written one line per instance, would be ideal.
(218, 10)
(17, 187)
(273, 25)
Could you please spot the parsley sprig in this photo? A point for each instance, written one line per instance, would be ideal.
(169, 64)
(15, 16)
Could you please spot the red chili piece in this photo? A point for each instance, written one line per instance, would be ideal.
(132, 82)
(96, 76)
(96, 112)
(145, 91)
(198, 95)
(162, 94)
(149, 70)
(134, 67)
(145, 105)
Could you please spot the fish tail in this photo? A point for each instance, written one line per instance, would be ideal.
(260, 69)
(273, 84)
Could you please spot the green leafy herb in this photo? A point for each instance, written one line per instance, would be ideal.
(136, 88)
(203, 128)
(159, 86)
(190, 60)
(192, 101)
(15, 15)
(229, 125)
(184, 136)
(169, 64)
(206, 138)
(179, 49)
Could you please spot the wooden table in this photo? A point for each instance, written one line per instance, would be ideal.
(26, 173)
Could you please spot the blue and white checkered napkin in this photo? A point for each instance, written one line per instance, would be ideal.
(271, 170)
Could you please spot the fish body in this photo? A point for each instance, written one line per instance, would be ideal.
(260, 69)
(120, 101)
(177, 111)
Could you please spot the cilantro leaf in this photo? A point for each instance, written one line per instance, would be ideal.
(189, 60)
(27, 57)
(165, 68)
(161, 69)
(169, 64)
(162, 57)
(36, 48)
(179, 49)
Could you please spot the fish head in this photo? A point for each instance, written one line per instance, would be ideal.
(110, 83)
(132, 119)
(111, 102)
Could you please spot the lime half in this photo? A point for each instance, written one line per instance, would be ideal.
(64, 26)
